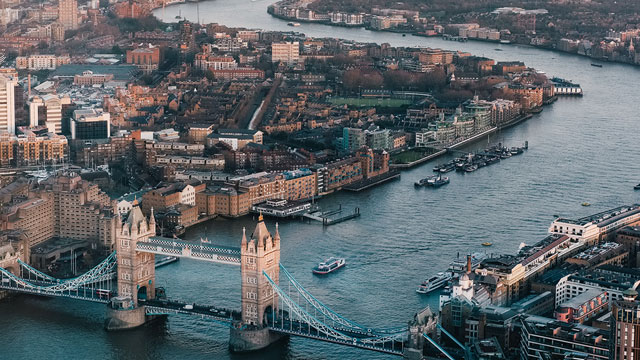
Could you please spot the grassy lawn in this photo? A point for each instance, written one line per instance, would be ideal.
(370, 102)
(412, 155)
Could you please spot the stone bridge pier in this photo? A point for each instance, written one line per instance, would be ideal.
(260, 253)
(136, 272)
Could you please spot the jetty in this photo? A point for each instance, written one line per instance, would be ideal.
(332, 217)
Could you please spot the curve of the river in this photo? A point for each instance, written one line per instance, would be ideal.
(581, 149)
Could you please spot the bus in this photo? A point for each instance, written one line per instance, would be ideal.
(104, 294)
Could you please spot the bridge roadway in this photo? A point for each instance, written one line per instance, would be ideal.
(286, 325)
(194, 250)
(170, 307)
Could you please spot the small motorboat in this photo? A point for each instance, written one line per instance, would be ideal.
(426, 181)
(487, 243)
(438, 181)
(637, 187)
(586, 204)
(471, 168)
(328, 266)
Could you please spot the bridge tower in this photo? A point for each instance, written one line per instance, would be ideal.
(260, 253)
(136, 271)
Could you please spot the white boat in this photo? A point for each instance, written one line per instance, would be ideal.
(330, 265)
(434, 282)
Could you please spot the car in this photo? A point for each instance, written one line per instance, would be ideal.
(188, 307)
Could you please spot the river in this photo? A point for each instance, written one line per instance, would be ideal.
(580, 149)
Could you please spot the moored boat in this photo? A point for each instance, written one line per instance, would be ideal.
(437, 181)
(328, 266)
(434, 282)
(471, 168)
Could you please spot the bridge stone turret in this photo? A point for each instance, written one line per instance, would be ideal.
(260, 253)
(136, 272)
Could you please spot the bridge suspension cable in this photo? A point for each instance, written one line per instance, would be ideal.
(82, 287)
(334, 316)
(295, 318)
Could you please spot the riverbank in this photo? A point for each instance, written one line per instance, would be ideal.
(271, 10)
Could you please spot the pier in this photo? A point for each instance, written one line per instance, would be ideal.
(373, 181)
(332, 217)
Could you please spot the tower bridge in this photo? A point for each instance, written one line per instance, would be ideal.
(269, 309)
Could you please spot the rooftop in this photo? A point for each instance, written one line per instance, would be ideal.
(120, 72)
(595, 251)
(577, 333)
(605, 217)
(581, 299)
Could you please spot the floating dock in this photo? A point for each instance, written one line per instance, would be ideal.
(332, 217)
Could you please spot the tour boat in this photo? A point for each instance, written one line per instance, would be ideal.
(434, 282)
(487, 244)
(330, 265)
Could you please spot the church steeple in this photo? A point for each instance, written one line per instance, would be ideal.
(244, 237)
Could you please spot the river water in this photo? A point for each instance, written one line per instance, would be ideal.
(580, 149)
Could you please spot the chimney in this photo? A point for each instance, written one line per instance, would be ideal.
(468, 263)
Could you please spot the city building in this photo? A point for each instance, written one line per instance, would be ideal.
(7, 104)
(68, 14)
(90, 124)
(212, 62)
(608, 253)
(88, 78)
(64, 206)
(545, 338)
(169, 196)
(41, 61)
(583, 307)
(47, 110)
(593, 228)
(612, 280)
(235, 138)
(300, 184)
(146, 59)
(287, 52)
(625, 320)
(629, 237)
